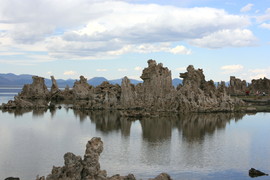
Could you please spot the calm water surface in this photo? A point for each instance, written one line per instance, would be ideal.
(204, 146)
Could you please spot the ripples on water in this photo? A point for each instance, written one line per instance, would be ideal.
(194, 146)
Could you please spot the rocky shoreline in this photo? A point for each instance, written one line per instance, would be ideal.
(154, 96)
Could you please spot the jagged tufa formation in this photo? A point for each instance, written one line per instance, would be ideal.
(155, 94)
(88, 168)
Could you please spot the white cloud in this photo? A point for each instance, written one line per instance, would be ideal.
(264, 17)
(134, 77)
(24, 58)
(101, 70)
(181, 69)
(226, 38)
(160, 47)
(138, 68)
(232, 68)
(18, 62)
(49, 73)
(247, 8)
(265, 25)
(95, 29)
(122, 69)
(180, 50)
(11, 53)
(69, 73)
(259, 73)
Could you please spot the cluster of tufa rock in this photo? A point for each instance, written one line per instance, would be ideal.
(155, 94)
(240, 87)
(88, 168)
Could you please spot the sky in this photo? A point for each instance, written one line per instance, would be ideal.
(113, 39)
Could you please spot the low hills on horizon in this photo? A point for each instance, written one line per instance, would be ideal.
(11, 79)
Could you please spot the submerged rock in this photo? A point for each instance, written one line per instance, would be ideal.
(255, 173)
(12, 178)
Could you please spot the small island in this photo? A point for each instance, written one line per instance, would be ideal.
(155, 96)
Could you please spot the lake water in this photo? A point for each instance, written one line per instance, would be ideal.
(7, 93)
(194, 146)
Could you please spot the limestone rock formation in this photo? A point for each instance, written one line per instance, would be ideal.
(237, 86)
(54, 89)
(157, 81)
(155, 94)
(88, 168)
(104, 96)
(36, 90)
(199, 95)
(260, 86)
(17, 104)
(128, 94)
(81, 89)
(193, 78)
(162, 176)
(76, 168)
(33, 95)
(157, 85)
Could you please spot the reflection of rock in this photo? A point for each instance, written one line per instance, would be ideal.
(195, 126)
(107, 121)
(157, 129)
(17, 112)
(88, 168)
(255, 173)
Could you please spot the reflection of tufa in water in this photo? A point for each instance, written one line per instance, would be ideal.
(193, 126)
(155, 94)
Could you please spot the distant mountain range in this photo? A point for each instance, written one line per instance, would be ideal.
(19, 80)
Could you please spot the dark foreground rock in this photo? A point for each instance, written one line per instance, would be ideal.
(162, 176)
(255, 173)
(88, 167)
(12, 178)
